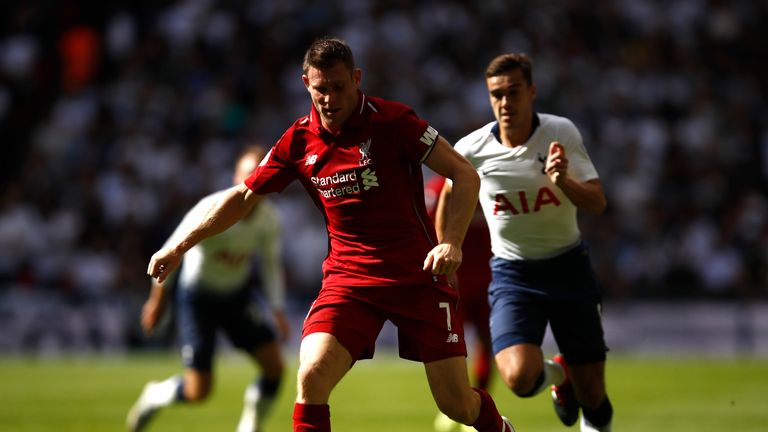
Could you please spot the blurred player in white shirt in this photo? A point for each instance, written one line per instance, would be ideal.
(535, 174)
(213, 293)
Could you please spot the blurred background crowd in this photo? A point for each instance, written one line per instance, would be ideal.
(116, 117)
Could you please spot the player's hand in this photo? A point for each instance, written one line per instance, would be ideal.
(163, 263)
(443, 259)
(557, 164)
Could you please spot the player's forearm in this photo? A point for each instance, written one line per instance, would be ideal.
(236, 203)
(461, 208)
(442, 209)
(587, 196)
(158, 294)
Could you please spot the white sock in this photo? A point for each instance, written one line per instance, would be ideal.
(255, 409)
(553, 375)
(162, 393)
(586, 426)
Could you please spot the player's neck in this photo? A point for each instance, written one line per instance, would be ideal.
(513, 137)
(516, 136)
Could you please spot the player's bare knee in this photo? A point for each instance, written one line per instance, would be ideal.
(196, 387)
(194, 394)
(313, 380)
(523, 387)
(519, 380)
(508, 375)
(310, 372)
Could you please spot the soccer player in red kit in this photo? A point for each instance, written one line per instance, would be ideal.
(359, 159)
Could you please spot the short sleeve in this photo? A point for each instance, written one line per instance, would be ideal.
(274, 172)
(418, 137)
(579, 161)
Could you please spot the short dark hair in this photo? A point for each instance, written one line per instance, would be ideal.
(325, 52)
(506, 63)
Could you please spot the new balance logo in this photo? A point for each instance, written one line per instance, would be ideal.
(311, 159)
(429, 137)
(452, 338)
(369, 179)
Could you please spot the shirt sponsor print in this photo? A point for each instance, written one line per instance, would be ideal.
(514, 205)
(345, 183)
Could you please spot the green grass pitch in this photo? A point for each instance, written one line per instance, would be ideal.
(381, 395)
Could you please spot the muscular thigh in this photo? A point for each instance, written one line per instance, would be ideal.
(516, 318)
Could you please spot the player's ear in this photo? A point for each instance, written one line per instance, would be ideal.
(357, 76)
(305, 80)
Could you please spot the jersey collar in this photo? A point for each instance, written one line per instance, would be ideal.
(535, 122)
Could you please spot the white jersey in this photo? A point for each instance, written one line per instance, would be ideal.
(528, 216)
(222, 263)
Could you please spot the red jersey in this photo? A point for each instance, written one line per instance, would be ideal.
(367, 181)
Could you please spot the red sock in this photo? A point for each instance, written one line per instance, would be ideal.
(489, 419)
(311, 418)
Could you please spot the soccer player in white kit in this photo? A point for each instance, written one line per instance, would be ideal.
(535, 173)
(213, 294)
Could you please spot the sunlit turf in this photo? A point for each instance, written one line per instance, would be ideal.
(386, 395)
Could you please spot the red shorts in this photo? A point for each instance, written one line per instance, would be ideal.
(429, 326)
